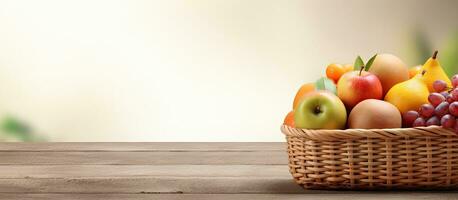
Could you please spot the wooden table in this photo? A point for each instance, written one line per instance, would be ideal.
(140, 171)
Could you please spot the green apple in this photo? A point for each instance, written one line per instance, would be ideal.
(320, 110)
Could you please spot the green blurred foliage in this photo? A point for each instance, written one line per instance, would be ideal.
(421, 48)
(12, 129)
(450, 55)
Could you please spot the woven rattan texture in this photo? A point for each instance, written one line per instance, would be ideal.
(420, 158)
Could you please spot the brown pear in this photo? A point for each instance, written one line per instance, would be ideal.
(374, 114)
(390, 70)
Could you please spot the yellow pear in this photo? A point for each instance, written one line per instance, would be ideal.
(434, 72)
(410, 94)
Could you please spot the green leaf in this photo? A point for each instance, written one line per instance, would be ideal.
(326, 84)
(370, 62)
(358, 63)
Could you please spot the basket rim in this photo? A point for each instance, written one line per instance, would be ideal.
(350, 134)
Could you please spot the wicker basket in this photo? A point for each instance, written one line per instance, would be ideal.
(414, 158)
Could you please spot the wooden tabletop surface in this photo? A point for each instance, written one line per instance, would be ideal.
(140, 171)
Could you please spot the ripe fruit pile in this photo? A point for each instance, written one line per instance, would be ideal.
(382, 93)
(442, 109)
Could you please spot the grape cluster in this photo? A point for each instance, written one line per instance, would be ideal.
(442, 110)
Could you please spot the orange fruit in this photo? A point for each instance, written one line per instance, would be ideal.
(335, 71)
(306, 88)
(348, 68)
(415, 70)
(289, 119)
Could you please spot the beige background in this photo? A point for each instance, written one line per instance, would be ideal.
(203, 70)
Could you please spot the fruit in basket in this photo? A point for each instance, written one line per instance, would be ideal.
(435, 99)
(289, 119)
(453, 109)
(448, 121)
(390, 70)
(357, 86)
(419, 122)
(455, 81)
(426, 110)
(374, 114)
(449, 99)
(433, 121)
(439, 86)
(409, 117)
(320, 110)
(320, 84)
(306, 88)
(413, 71)
(434, 72)
(445, 109)
(334, 72)
(454, 94)
(442, 109)
(408, 95)
(348, 68)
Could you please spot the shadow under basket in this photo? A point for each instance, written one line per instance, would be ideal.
(385, 159)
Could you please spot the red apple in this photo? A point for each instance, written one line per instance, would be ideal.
(356, 86)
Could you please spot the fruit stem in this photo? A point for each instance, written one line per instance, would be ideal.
(317, 110)
(435, 54)
(423, 72)
(361, 70)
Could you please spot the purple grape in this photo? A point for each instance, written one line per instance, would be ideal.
(448, 121)
(453, 109)
(455, 81)
(454, 94)
(436, 98)
(433, 121)
(442, 109)
(409, 117)
(419, 122)
(439, 86)
(426, 110)
(450, 99)
(445, 94)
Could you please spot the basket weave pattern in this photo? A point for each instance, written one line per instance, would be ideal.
(414, 158)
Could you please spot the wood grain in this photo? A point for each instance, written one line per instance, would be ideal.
(332, 196)
(139, 171)
(177, 185)
(119, 171)
(144, 158)
(143, 146)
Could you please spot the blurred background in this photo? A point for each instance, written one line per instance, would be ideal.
(191, 70)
